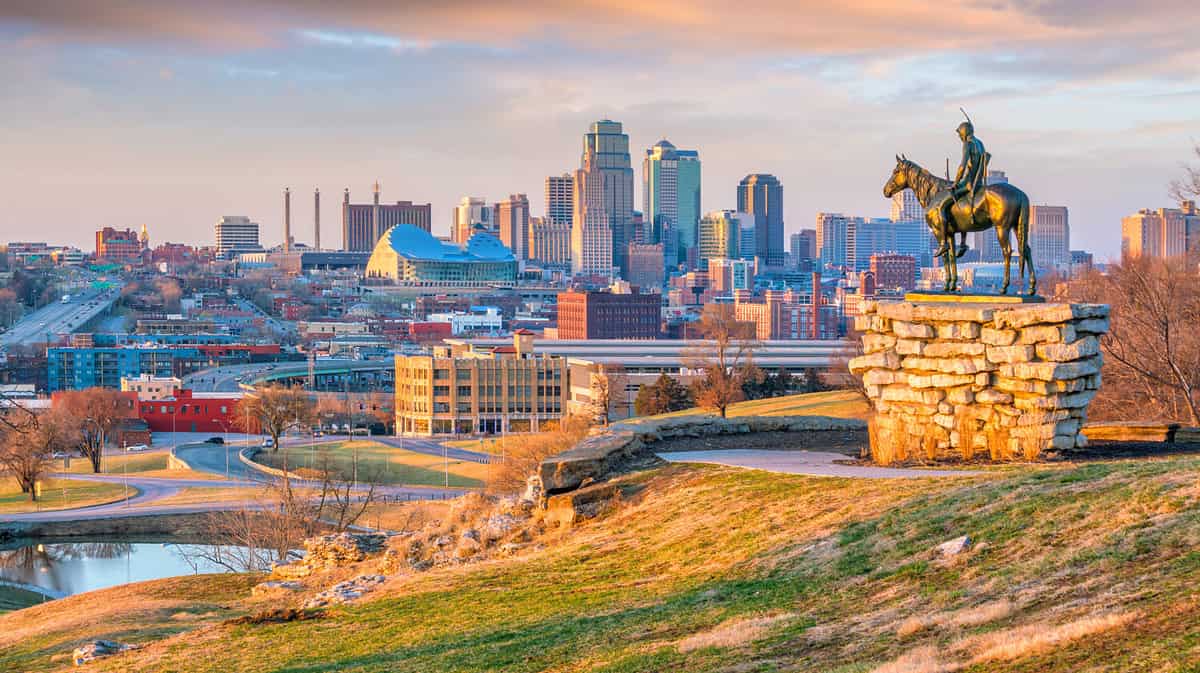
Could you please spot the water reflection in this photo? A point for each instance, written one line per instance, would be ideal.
(66, 568)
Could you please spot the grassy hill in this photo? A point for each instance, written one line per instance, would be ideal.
(1076, 567)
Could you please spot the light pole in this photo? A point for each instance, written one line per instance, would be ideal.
(125, 465)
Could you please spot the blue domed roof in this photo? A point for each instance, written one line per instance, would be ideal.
(413, 242)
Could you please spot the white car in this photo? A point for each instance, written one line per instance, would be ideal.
(137, 447)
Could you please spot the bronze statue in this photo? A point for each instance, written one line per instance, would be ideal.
(968, 204)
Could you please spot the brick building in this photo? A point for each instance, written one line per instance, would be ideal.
(894, 271)
(609, 315)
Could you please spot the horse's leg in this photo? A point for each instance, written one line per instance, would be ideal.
(952, 276)
(1002, 234)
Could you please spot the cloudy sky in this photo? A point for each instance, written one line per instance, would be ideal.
(172, 113)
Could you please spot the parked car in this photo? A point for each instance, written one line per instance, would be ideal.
(137, 447)
(215, 440)
(268, 442)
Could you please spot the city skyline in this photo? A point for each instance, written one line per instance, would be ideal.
(171, 115)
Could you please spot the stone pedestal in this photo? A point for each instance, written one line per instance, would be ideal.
(957, 380)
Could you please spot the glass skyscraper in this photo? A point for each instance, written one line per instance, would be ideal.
(606, 154)
(761, 195)
(671, 200)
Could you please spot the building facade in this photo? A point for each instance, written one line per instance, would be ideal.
(671, 200)
(761, 195)
(512, 219)
(550, 241)
(468, 389)
(118, 246)
(148, 387)
(894, 271)
(591, 227)
(1049, 236)
(606, 156)
(720, 236)
(235, 234)
(78, 368)
(363, 224)
(646, 265)
(609, 315)
(804, 246)
(560, 202)
(1164, 232)
(906, 207)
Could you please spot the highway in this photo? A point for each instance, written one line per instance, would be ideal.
(228, 378)
(58, 318)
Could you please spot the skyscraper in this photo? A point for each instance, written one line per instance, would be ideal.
(671, 199)
(1156, 233)
(804, 245)
(512, 218)
(1049, 236)
(606, 155)
(761, 195)
(559, 203)
(471, 211)
(364, 223)
(591, 227)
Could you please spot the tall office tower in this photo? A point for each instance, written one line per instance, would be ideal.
(364, 223)
(834, 234)
(804, 245)
(906, 207)
(559, 203)
(512, 217)
(1049, 236)
(472, 211)
(234, 234)
(719, 236)
(606, 151)
(671, 200)
(591, 226)
(287, 219)
(761, 195)
(549, 241)
(317, 218)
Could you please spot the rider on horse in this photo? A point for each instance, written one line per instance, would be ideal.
(969, 182)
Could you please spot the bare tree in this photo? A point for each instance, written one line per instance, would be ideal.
(28, 444)
(1152, 349)
(608, 392)
(275, 410)
(520, 455)
(97, 413)
(1188, 186)
(721, 356)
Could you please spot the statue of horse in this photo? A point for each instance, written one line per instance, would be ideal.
(1001, 206)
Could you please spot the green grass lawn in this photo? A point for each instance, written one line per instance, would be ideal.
(380, 463)
(118, 463)
(1075, 567)
(77, 494)
(838, 403)
(13, 598)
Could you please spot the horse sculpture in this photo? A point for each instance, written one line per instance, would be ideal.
(1001, 206)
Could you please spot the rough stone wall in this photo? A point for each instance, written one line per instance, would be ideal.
(951, 380)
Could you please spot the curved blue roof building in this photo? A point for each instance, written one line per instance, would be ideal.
(406, 253)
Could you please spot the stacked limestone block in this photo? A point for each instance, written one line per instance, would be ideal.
(957, 380)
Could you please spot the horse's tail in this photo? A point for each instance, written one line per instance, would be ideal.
(1023, 235)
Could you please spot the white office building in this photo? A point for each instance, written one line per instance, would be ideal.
(236, 234)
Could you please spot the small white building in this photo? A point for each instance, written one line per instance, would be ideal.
(150, 387)
(478, 319)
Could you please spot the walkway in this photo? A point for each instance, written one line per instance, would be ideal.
(813, 463)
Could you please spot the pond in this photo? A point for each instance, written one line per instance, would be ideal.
(61, 568)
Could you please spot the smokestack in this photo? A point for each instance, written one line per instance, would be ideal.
(317, 218)
(287, 219)
(377, 192)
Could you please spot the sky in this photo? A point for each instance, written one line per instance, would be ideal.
(171, 113)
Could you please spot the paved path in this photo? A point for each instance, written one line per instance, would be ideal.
(815, 463)
(433, 448)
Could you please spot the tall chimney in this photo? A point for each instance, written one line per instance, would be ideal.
(377, 192)
(317, 218)
(287, 219)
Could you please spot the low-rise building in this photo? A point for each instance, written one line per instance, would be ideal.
(609, 315)
(465, 389)
(150, 387)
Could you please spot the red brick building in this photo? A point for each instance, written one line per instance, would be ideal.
(191, 412)
(894, 271)
(113, 245)
(609, 315)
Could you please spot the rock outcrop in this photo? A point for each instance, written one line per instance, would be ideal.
(955, 380)
(331, 551)
(98, 649)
